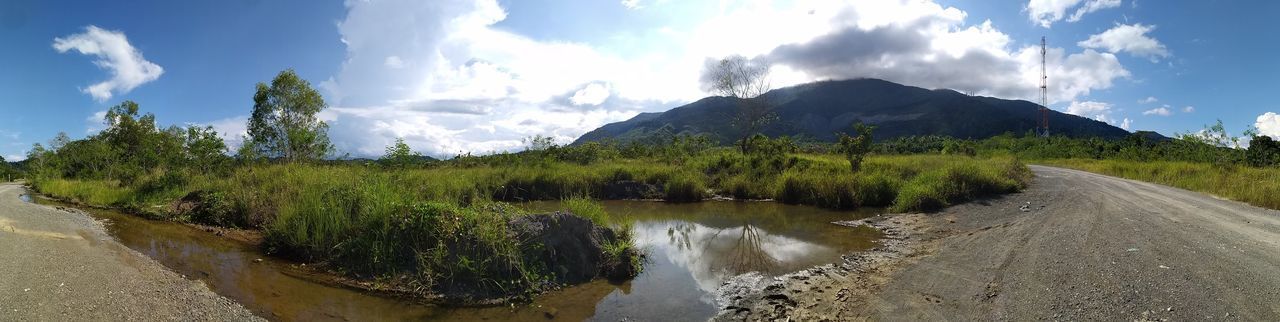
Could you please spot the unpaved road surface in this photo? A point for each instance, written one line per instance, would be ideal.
(1098, 248)
(1087, 247)
(59, 265)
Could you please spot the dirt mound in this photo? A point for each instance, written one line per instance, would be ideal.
(572, 247)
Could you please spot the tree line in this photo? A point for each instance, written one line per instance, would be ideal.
(132, 148)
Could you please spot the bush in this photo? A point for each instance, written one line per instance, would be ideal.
(684, 188)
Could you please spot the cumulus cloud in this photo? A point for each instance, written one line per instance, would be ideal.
(936, 49)
(113, 53)
(1131, 39)
(1126, 124)
(592, 94)
(1046, 12)
(631, 4)
(1090, 109)
(232, 130)
(1268, 124)
(1091, 6)
(1161, 111)
(1188, 109)
(1148, 100)
(459, 84)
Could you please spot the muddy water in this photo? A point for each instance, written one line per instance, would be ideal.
(692, 249)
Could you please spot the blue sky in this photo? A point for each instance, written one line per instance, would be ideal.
(479, 75)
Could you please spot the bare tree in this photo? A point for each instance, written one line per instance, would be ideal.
(746, 81)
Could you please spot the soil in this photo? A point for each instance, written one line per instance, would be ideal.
(60, 264)
(1072, 246)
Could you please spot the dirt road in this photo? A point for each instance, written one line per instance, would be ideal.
(58, 265)
(1087, 247)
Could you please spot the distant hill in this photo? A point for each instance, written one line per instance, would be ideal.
(819, 110)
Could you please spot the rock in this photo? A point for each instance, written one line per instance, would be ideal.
(572, 247)
(257, 260)
(550, 313)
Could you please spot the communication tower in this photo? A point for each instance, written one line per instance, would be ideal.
(1044, 91)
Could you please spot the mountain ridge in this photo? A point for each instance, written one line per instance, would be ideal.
(819, 110)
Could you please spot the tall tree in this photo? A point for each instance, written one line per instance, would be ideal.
(745, 81)
(284, 124)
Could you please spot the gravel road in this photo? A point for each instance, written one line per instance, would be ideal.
(59, 265)
(1072, 246)
(1093, 247)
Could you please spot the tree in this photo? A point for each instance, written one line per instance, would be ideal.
(855, 148)
(205, 150)
(1263, 151)
(399, 155)
(745, 81)
(284, 124)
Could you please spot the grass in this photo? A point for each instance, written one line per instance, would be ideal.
(1256, 186)
(446, 228)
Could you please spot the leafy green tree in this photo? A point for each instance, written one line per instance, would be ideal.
(399, 155)
(855, 148)
(284, 124)
(205, 150)
(37, 162)
(1263, 152)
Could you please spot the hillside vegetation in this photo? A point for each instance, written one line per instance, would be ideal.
(452, 227)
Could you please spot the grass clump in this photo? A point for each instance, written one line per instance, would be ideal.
(684, 187)
(587, 208)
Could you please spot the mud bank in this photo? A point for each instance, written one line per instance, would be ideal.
(834, 291)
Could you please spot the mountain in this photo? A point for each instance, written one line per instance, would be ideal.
(818, 110)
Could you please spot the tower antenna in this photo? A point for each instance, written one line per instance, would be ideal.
(1044, 91)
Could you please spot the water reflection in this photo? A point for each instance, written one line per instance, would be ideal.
(692, 249)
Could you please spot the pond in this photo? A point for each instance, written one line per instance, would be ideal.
(691, 250)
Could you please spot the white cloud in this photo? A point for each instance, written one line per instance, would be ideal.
(464, 85)
(14, 158)
(1268, 124)
(1088, 108)
(1148, 100)
(631, 4)
(1126, 124)
(1046, 12)
(96, 122)
(1188, 109)
(233, 130)
(1161, 111)
(592, 94)
(393, 62)
(1091, 6)
(927, 45)
(114, 53)
(1131, 39)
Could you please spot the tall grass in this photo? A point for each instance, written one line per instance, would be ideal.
(1256, 186)
(441, 227)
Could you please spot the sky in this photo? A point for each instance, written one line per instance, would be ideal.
(455, 76)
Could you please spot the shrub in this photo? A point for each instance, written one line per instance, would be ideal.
(684, 188)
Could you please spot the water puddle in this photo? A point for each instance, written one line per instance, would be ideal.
(692, 249)
(25, 197)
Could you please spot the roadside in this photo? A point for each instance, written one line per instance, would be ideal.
(1073, 246)
(59, 264)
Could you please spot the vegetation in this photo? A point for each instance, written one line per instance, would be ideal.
(1252, 185)
(445, 226)
(746, 82)
(284, 124)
